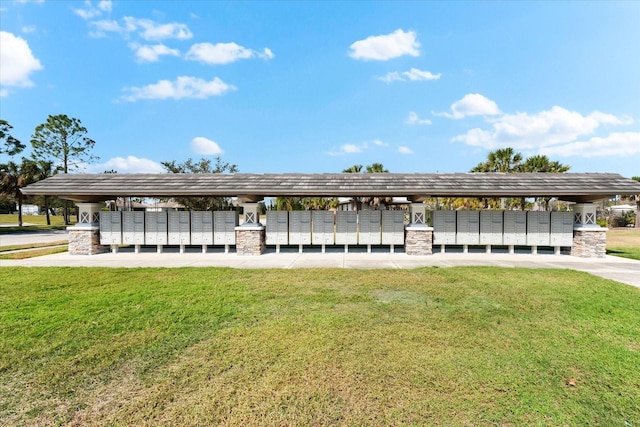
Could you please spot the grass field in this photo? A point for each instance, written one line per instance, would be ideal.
(454, 346)
(624, 242)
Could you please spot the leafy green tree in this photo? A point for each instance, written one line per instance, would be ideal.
(64, 141)
(637, 200)
(202, 166)
(13, 177)
(353, 169)
(507, 160)
(10, 145)
(504, 160)
(541, 163)
(43, 169)
(371, 201)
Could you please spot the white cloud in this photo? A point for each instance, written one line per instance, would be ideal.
(357, 148)
(152, 53)
(615, 144)
(415, 75)
(182, 87)
(130, 164)
(533, 131)
(412, 75)
(207, 147)
(224, 53)
(385, 47)
(90, 11)
(413, 119)
(104, 26)
(405, 150)
(28, 29)
(392, 76)
(151, 30)
(472, 104)
(16, 62)
(145, 28)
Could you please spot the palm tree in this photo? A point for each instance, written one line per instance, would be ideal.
(44, 169)
(541, 163)
(13, 177)
(637, 199)
(353, 169)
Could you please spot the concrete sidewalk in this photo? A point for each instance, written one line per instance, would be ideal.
(614, 268)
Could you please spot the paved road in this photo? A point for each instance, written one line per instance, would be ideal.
(33, 237)
(614, 268)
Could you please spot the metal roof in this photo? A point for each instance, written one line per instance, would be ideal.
(578, 187)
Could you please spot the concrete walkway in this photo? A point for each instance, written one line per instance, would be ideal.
(614, 268)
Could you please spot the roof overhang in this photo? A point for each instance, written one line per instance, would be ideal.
(576, 187)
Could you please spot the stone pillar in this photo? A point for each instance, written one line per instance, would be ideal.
(250, 240)
(251, 237)
(84, 237)
(418, 240)
(589, 239)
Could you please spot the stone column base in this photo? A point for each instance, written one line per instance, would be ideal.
(589, 242)
(418, 240)
(250, 240)
(85, 240)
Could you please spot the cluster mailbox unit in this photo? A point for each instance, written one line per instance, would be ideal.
(202, 228)
(156, 229)
(167, 228)
(277, 228)
(561, 230)
(491, 226)
(224, 228)
(346, 228)
(369, 232)
(300, 228)
(110, 229)
(538, 229)
(133, 228)
(323, 228)
(393, 228)
(515, 229)
(467, 228)
(444, 228)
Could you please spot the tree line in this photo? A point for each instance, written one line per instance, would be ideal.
(61, 145)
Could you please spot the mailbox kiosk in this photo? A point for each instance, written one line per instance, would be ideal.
(561, 230)
(323, 228)
(111, 229)
(156, 229)
(277, 228)
(370, 231)
(346, 229)
(202, 229)
(179, 229)
(468, 228)
(224, 228)
(538, 229)
(300, 228)
(491, 225)
(515, 229)
(133, 229)
(392, 228)
(444, 228)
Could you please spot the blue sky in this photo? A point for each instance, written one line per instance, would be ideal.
(320, 86)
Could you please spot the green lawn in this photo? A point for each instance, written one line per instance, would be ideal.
(624, 242)
(434, 346)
